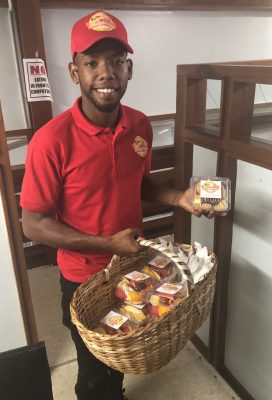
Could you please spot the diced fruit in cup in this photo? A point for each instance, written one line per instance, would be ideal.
(134, 296)
(160, 310)
(120, 294)
(149, 271)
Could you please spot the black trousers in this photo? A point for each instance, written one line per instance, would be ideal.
(95, 380)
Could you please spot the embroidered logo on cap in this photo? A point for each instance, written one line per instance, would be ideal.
(100, 21)
(140, 146)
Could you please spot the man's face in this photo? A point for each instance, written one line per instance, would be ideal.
(103, 72)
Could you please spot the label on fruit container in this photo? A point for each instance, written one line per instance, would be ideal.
(137, 276)
(170, 288)
(210, 189)
(159, 262)
(114, 320)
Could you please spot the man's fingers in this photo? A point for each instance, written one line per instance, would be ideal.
(210, 214)
(221, 214)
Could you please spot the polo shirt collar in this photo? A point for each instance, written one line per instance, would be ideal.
(91, 129)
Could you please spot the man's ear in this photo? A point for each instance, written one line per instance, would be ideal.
(130, 68)
(73, 72)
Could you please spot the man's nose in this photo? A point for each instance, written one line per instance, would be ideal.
(106, 70)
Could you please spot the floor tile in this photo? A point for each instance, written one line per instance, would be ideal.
(187, 377)
(46, 295)
(63, 381)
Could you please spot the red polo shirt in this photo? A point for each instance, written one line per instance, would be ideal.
(90, 178)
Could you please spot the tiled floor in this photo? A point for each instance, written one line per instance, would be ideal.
(187, 377)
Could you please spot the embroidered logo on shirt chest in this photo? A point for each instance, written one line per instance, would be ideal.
(140, 146)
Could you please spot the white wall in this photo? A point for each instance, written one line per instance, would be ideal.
(12, 332)
(161, 40)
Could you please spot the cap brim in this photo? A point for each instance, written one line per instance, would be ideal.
(85, 46)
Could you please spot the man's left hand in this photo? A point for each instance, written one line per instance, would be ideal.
(184, 200)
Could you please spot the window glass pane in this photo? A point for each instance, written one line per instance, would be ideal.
(263, 94)
(204, 163)
(213, 104)
(10, 89)
(262, 121)
(163, 133)
(203, 113)
(249, 328)
(213, 98)
(17, 147)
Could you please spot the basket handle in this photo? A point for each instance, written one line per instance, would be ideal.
(184, 270)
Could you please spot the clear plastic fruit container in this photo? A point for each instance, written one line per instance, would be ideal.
(211, 193)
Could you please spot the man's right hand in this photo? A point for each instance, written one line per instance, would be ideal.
(124, 243)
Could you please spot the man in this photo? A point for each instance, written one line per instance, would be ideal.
(88, 170)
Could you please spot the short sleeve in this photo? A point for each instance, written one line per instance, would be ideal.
(42, 181)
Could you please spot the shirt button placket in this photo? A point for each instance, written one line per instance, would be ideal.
(113, 159)
(110, 143)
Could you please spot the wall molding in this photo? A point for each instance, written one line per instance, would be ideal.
(163, 5)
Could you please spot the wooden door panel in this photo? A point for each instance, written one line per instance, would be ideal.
(159, 227)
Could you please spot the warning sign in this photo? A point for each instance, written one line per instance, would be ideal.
(37, 85)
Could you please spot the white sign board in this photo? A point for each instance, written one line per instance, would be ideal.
(36, 80)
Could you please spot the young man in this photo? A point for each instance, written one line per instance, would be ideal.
(88, 170)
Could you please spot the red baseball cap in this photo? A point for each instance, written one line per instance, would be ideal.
(94, 27)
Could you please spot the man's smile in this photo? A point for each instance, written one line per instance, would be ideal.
(106, 90)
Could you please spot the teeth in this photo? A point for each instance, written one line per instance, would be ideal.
(105, 90)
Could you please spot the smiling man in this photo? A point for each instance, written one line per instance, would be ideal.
(101, 97)
(86, 173)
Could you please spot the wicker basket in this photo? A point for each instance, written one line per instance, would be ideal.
(146, 349)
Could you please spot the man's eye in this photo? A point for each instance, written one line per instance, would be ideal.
(92, 64)
(119, 60)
